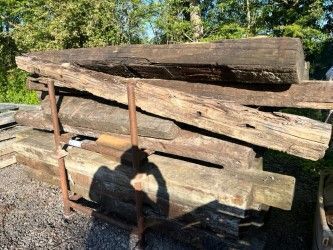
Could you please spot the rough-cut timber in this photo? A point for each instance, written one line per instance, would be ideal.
(262, 60)
(230, 190)
(87, 113)
(7, 160)
(7, 118)
(224, 227)
(187, 144)
(15, 106)
(292, 134)
(309, 94)
(10, 132)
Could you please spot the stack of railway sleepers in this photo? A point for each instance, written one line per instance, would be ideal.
(8, 131)
(200, 129)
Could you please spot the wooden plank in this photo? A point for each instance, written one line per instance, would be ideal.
(7, 160)
(7, 118)
(310, 94)
(292, 134)
(16, 106)
(262, 60)
(6, 147)
(111, 196)
(190, 183)
(87, 113)
(188, 144)
(10, 133)
(202, 218)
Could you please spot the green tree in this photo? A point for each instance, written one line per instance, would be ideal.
(50, 24)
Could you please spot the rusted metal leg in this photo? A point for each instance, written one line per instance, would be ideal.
(61, 160)
(136, 160)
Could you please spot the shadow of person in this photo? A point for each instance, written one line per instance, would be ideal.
(113, 190)
(208, 226)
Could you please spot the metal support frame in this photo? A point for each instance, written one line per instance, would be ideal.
(136, 159)
(61, 160)
(68, 202)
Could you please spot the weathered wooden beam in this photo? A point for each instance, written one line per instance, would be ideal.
(111, 196)
(7, 160)
(10, 133)
(7, 118)
(16, 106)
(87, 113)
(310, 94)
(233, 191)
(6, 147)
(187, 144)
(262, 60)
(225, 227)
(292, 134)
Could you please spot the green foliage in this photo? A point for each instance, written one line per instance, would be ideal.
(49, 24)
(312, 38)
(228, 31)
(72, 24)
(170, 21)
(15, 91)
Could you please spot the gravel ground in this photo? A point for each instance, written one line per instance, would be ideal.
(31, 217)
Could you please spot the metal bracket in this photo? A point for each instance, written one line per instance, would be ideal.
(71, 204)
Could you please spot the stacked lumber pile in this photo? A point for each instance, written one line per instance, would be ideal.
(199, 125)
(9, 129)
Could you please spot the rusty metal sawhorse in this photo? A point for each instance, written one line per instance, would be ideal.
(70, 202)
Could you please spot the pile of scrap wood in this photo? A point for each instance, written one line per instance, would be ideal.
(199, 127)
(9, 129)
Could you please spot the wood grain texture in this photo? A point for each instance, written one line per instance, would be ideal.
(111, 196)
(262, 60)
(7, 160)
(7, 118)
(187, 144)
(87, 113)
(211, 221)
(233, 189)
(310, 94)
(292, 134)
(10, 132)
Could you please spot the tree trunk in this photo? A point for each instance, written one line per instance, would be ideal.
(195, 17)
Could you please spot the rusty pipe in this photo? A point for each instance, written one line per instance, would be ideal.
(61, 160)
(135, 159)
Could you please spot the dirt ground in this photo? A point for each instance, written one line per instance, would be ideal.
(31, 217)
